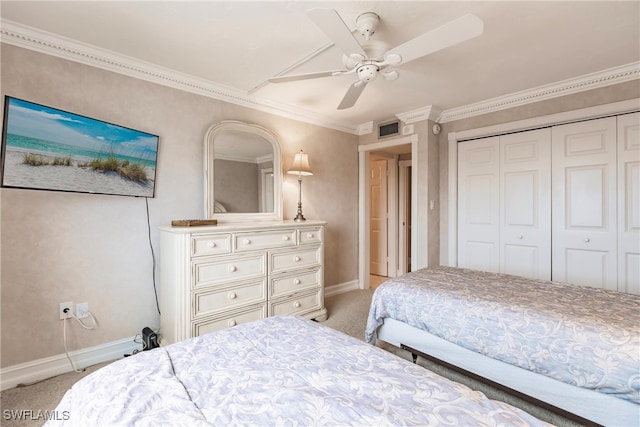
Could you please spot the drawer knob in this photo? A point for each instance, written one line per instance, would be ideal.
(587, 240)
(285, 238)
(247, 241)
(296, 304)
(232, 295)
(310, 235)
(232, 322)
(211, 244)
(232, 268)
(521, 237)
(296, 281)
(296, 258)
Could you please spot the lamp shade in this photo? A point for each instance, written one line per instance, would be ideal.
(300, 165)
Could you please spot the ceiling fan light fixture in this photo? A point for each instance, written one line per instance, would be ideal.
(390, 75)
(351, 62)
(367, 72)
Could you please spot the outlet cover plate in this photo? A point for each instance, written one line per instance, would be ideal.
(61, 308)
(82, 309)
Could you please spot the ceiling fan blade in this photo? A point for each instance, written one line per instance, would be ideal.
(333, 26)
(464, 28)
(284, 79)
(352, 95)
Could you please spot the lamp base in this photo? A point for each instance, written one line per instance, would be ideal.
(299, 217)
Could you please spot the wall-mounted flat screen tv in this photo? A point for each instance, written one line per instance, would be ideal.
(44, 148)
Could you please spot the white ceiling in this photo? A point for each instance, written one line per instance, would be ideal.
(240, 45)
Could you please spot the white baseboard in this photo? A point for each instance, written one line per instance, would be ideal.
(38, 370)
(341, 288)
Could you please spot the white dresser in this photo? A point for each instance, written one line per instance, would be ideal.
(214, 277)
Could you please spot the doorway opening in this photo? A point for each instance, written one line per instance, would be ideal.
(388, 213)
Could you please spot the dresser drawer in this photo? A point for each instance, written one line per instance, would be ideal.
(213, 244)
(255, 240)
(226, 269)
(306, 257)
(205, 326)
(298, 304)
(210, 301)
(310, 235)
(290, 283)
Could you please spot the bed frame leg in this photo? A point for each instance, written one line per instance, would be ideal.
(414, 353)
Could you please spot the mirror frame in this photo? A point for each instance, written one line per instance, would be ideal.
(209, 157)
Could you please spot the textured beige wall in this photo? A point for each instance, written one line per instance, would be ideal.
(600, 96)
(59, 247)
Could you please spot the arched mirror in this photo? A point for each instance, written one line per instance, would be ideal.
(243, 173)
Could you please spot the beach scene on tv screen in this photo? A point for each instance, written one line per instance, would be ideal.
(50, 149)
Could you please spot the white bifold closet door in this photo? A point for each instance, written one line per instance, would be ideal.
(504, 204)
(560, 203)
(479, 204)
(585, 244)
(629, 203)
(525, 204)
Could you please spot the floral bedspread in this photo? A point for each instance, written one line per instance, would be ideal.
(582, 336)
(278, 371)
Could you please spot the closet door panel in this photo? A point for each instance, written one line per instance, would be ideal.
(478, 204)
(525, 204)
(588, 267)
(629, 203)
(584, 196)
(521, 260)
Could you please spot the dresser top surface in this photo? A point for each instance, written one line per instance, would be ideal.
(241, 226)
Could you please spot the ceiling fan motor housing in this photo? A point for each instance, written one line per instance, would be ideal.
(367, 24)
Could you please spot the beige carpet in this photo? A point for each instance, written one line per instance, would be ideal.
(347, 313)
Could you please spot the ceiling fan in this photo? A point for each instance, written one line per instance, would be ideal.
(370, 59)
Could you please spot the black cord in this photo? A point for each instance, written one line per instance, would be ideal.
(153, 256)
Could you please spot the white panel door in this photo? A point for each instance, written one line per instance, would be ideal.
(478, 204)
(378, 233)
(525, 204)
(629, 203)
(584, 233)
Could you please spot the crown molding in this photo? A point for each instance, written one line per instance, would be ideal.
(52, 44)
(583, 83)
(62, 47)
(425, 113)
(419, 114)
(364, 128)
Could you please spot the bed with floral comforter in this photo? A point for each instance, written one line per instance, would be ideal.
(277, 371)
(579, 335)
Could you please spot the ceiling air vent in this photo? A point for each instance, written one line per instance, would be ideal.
(388, 129)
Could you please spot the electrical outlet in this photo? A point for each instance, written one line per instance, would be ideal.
(82, 310)
(68, 306)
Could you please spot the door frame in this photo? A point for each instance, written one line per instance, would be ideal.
(364, 196)
(403, 214)
(450, 257)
